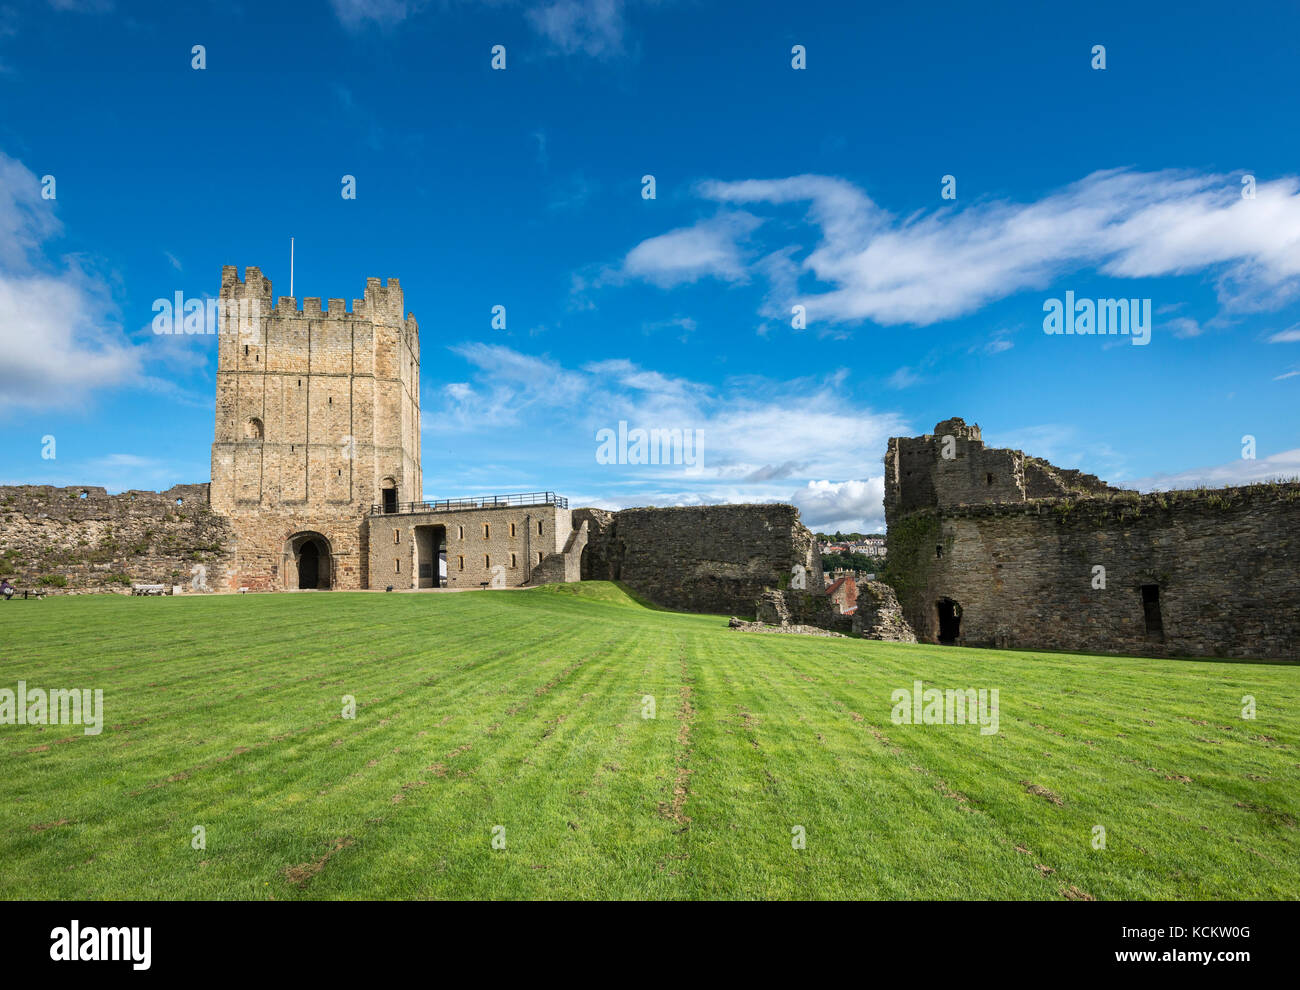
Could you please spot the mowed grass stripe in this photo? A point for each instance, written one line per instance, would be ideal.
(523, 709)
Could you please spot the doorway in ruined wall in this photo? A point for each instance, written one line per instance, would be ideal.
(949, 620)
(1155, 626)
(430, 556)
(309, 563)
(388, 491)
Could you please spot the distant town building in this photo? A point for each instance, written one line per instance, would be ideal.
(870, 546)
(843, 592)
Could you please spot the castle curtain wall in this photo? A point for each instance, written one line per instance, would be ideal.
(1190, 573)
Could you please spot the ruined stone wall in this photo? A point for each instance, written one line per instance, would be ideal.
(879, 615)
(716, 559)
(1226, 565)
(601, 558)
(805, 609)
(952, 467)
(81, 539)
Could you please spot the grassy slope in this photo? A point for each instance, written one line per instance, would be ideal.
(523, 709)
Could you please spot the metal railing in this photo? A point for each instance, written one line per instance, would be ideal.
(480, 502)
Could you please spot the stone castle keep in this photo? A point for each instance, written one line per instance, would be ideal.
(317, 484)
(318, 419)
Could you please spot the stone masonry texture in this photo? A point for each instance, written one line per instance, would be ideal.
(715, 558)
(1012, 545)
(79, 540)
(510, 543)
(317, 415)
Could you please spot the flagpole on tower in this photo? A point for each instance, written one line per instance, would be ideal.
(290, 266)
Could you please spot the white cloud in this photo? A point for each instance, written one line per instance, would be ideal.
(1284, 465)
(710, 248)
(952, 261)
(384, 13)
(592, 27)
(1183, 326)
(904, 378)
(59, 337)
(1291, 335)
(999, 342)
(852, 506)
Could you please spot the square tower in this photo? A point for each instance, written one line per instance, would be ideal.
(318, 419)
(318, 409)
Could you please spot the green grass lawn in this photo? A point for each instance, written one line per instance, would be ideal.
(523, 709)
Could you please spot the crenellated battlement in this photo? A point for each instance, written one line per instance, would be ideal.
(382, 302)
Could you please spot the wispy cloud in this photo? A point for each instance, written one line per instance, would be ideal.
(952, 261)
(595, 28)
(590, 27)
(355, 14)
(1242, 471)
(904, 378)
(59, 337)
(1183, 326)
(709, 249)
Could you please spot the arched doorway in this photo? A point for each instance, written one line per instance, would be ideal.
(309, 563)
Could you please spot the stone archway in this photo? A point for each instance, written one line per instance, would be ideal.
(308, 563)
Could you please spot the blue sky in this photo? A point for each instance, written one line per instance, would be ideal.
(775, 187)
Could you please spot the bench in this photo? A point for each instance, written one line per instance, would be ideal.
(29, 593)
(148, 589)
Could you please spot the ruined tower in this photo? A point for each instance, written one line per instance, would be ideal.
(317, 419)
(994, 547)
